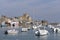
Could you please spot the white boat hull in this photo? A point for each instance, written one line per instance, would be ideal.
(58, 30)
(12, 31)
(42, 32)
(24, 29)
(34, 27)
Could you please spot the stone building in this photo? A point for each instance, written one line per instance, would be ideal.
(25, 18)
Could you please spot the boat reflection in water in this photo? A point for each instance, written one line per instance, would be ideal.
(42, 37)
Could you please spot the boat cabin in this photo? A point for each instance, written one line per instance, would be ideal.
(14, 24)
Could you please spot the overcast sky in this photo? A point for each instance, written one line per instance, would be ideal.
(38, 9)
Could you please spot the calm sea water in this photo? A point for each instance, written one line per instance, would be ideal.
(28, 35)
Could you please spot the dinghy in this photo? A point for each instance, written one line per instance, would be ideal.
(12, 31)
(41, 31)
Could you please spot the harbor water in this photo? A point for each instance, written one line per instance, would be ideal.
(29, 35)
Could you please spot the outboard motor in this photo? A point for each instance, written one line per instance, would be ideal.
(56, 31)
(38, 34)
(6, 32)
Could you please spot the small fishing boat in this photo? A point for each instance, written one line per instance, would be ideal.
(56, 30)
(41, 31)
(12, 31)
(24, 30)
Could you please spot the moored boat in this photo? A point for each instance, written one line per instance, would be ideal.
(24, 30)
(11, 31)
(41, 31)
